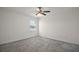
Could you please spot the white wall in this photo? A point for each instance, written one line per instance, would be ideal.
(14, 26)
(62, 24)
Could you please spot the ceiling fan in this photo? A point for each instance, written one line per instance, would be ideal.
(41, 12)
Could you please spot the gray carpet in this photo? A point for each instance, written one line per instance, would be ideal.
(39, 44)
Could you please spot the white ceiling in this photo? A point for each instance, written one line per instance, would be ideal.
(23, 10)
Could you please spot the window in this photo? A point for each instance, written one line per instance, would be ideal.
(32, 25)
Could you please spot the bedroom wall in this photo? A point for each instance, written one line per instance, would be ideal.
(15, 26)
(62, 24)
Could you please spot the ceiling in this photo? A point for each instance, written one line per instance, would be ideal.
(32, 10)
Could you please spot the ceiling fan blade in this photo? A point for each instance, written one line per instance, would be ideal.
(43, 14)
(46, 11)
(39, 7)
(37, 13)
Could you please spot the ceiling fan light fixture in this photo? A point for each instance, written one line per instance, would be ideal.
(39, 15)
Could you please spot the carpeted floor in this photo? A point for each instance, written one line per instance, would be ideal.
(39, 44)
